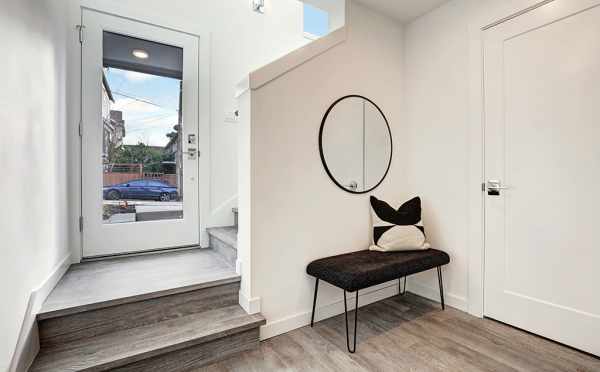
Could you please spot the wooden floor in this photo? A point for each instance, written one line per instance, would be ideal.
(98, 283)
(410, 334)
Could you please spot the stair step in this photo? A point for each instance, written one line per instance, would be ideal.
(189, 341)
(168, 312)
(194, 357)
(226, 234)
(101, 284)
(223, 240)
(80, 325)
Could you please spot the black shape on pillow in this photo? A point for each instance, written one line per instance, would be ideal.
(409, 213)
(378, 231)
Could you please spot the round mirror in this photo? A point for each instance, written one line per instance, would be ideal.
(355, 143)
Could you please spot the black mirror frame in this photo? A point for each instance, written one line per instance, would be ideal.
(323, 155)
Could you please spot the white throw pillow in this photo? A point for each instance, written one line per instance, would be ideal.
(398, 230)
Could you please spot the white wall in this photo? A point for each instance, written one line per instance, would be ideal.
(298, 213)
(33, 157)
(442, 147)
(436, 145)
(425, 77)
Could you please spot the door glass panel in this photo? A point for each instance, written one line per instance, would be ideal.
(142, 130)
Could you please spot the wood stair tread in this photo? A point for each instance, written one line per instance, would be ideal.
(227, 234)
(97, 285)
(132, 345)
(49, 312)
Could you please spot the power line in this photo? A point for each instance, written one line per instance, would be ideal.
(142, 100)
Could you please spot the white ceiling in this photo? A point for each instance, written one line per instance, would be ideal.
(403, 10)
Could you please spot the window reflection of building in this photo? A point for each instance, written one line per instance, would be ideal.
(112, 123)
(174, 150)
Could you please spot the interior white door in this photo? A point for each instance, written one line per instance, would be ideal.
(542, 141)
(139, 136)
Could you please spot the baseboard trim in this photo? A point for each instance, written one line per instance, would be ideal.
(251, 306)
(28, 342)
(433, 294)
(238, 266)
(287, 324)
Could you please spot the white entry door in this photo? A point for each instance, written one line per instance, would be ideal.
(542, 141)
(139, 136)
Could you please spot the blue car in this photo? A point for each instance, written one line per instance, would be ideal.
(140, 189)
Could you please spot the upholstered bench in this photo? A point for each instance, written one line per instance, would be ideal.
(359, 270)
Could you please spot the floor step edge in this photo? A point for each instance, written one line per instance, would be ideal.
(227, 235)
(49, 314)
(137, 342)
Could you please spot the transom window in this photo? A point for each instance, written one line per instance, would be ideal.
(316, 22)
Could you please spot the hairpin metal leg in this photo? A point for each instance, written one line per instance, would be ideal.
(312, 317)
(441, 284)
(403, 291)
(351, 351)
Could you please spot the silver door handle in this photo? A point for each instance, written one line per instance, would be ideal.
(494, 187)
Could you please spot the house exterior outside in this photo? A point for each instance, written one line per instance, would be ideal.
(174, 150)
(112, 122)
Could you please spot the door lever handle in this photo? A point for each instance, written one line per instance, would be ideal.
(495, 186)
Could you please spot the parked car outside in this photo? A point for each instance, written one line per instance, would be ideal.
(140, 189)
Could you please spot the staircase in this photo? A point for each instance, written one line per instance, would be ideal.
(173, 311)
(223, 240)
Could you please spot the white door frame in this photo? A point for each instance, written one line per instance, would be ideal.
(488, 15)
(204, 118)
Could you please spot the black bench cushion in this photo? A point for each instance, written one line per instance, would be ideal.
(362, 269)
